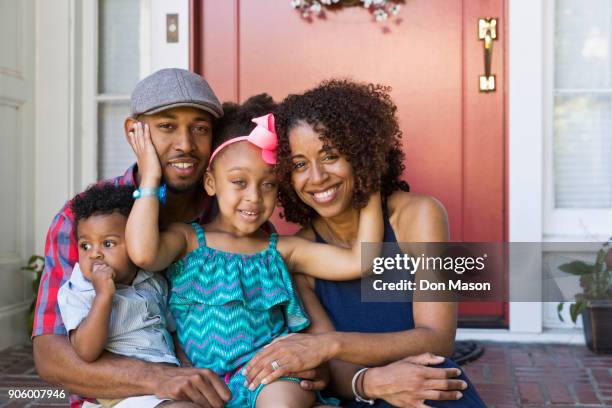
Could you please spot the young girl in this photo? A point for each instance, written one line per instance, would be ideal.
(230, 290)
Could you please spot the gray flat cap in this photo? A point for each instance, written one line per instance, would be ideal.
(172, 87)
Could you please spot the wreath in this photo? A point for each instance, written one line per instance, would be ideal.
(381, 10)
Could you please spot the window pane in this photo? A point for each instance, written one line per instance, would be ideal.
(115, 154)
(583, 151)
(582, 44)
(582, 104)
(118, 50)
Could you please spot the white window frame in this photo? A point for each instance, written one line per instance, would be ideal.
(579, 224)
(89, 61)
(561, 225)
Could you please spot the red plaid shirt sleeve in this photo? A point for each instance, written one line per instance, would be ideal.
(61, 254)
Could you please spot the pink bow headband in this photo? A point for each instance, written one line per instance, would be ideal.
(263, 136)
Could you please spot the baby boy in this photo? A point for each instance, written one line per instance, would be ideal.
(108, 303)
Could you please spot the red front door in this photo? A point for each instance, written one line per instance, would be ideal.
(454, 135)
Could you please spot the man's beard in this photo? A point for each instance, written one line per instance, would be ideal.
(183, 188)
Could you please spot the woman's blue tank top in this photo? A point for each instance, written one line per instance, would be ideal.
(342, 300)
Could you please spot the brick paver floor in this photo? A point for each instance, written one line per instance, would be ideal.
(508, 375)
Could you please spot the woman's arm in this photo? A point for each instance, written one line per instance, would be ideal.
(147, 247)
(335, 263)
(341, 372)
(405, 380)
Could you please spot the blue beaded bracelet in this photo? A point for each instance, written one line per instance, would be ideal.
(159, 192)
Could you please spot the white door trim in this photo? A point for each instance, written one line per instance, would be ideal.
(525, 141)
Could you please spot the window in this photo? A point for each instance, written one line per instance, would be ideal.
(120, 66)
(579, 196)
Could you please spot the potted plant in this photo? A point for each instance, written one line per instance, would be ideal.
(36, 265)
(595, 301)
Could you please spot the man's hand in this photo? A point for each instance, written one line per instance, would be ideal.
(148, 162)
(409, 382)
(113, 376)
(316, 379)
(102, 277)
(293, 353)
(180, 354)
(199, 385)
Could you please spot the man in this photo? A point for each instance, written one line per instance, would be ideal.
(180, 109)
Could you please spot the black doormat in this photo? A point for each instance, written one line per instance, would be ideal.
(466, 351)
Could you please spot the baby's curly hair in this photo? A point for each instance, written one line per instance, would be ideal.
(357, 119)
(102, 198)
(237, 118)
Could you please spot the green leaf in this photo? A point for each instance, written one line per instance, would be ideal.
(36, 264)
(577, 268)
(576, 309)
(559, 310)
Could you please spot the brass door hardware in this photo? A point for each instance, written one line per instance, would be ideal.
(487, 32)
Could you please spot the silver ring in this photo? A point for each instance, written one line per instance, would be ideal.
(275, 365)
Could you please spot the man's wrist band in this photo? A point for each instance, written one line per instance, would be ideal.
(356, 377)
(159, 192)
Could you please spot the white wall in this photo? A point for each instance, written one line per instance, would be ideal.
(17, 163)
(55, 102)
(164, 54)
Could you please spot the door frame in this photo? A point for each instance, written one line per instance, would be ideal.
(523, 138)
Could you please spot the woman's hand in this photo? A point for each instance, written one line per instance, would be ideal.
(409, 382)
(293, 353)
(149, 167)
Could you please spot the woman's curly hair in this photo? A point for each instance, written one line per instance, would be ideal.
(357, 119)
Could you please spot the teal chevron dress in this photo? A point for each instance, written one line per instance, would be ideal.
(228, 306)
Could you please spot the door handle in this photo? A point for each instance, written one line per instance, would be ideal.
(487, 32)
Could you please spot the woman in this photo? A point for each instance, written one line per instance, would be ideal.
(338, 143)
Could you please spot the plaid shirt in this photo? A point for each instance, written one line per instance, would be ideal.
(61, 253)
